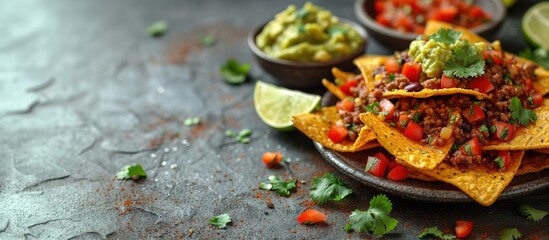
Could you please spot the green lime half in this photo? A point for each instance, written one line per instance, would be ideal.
(535, 25)
(276, 105)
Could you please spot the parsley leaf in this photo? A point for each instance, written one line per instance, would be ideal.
(283, 188)
(220, 221)
(157, 29)
(435, 232)
(531, 213)
(233, 72)
(520, 114)
(191, 121)
(510, 234)
(376, 219)
(329, 187)
(131, 172)
(447, 36)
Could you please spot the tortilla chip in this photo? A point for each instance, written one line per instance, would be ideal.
(542, 83)
(367, 65)
(432, 26)
(533, 136)
(480, 183)
(533, 162)
(317, 125)
(426, 93)
(413, 153)
(334, 89)
(412, 173)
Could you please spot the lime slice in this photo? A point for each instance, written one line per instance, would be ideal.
(535, 25)
(276, 105)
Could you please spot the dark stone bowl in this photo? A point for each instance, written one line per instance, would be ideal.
(395, 40)
(295, 74)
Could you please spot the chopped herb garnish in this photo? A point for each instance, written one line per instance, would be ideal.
(499, 162)
(467, 62)
(328, 187)
(131, 172)
(447, 36)
(510, 234)
(507, 79)
(208, 41)
(493, 129)
(435, 232)
(403, 123)
(230, 133)
(371, 163)
(283, 188)
(471, 111)
(242, 137)
(453, 119)
(429, 139)
(375, 220)
(416, 106)
(454, 147)
(336, 29)
(531, 100)
(157, 29)
(531, 213)
(220, 221)
(504, 134)
(483, 128)
(467, 148)
(391, 77)
(417, 117)
(302, 13)
(520, 114)
(423, 152)
(233, 72)
(191, 121)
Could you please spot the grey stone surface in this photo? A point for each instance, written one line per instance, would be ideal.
(84, 91)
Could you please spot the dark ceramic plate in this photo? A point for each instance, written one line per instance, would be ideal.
(353, 164)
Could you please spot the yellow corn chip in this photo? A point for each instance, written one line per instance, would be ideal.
(413, 153)
(432, 26)
(367, 66)
(533, 162)
(317, 125)
(426, 93)
(334, 89)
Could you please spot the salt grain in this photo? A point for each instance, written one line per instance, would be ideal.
(173, 166)
(163, 163)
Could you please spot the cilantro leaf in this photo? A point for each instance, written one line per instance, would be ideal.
(510, 234)
(191, 121)
(455, 69)
(283, 188)
(233, 72)
(435, 232)
(220, 221)
(447, 36)
(376, 219)
(131, 172)
(531, 213)
(520, 114)
(157, 29)
(329, 187)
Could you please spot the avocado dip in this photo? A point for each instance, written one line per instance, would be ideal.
(308, 34)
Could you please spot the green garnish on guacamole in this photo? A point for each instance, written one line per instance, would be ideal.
(308, 34)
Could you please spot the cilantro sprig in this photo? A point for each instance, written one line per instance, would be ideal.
(510, 234)
(375, 220)
(328, 187)
(283, 188)
(531, 213)
(435, 232)
(220, 221)
(233, 72)
(467, 62)
(520, 114)
(447, 36)
(131, 172)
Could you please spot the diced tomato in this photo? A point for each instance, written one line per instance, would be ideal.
(446, 14)
(271, 159)
(376, 166)
(505, 131)
(528, 83)
(379, 6)
(463, 228)
(338, 133)
(411, 70)
(346, 87)
(392, 164)
(402, 122)
(392, 66)
(347, 104)
(506, 158)
(471, 148)
(476, 12)
(403, 23)
(482, 84)
(537, 99)
(473, 114)
(448, 82)
(387, 106)
(398, 173)
(311, 216)
(493, 56)
(383, 20)
(414, 131)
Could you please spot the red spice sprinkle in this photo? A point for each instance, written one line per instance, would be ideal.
(127, 203)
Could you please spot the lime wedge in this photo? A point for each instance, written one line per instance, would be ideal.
(276, 105)
(535, 25)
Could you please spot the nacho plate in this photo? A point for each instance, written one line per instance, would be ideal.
(353, 165)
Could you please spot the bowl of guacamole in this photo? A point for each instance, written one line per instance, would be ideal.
(300, 46)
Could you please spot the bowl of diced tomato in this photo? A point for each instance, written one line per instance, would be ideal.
(395, 23)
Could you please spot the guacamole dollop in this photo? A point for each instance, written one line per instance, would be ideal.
(308, 34)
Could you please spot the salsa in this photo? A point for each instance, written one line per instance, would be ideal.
(409, 16)
(308, 34)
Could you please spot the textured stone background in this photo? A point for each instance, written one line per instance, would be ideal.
(84, 91)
